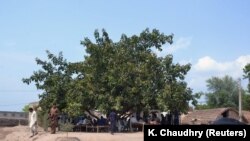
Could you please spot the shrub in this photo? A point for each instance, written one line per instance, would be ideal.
(67, 127)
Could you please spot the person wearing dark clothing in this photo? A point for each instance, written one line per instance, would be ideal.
(169, 119)
(112, 119)
(226, 120)
(101, 121)
(176, 117)
(163, 119)
(53, 115)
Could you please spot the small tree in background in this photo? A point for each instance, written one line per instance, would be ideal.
(26, 108)
(246, 75)
(224, 92)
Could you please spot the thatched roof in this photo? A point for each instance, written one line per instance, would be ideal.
(206, 116)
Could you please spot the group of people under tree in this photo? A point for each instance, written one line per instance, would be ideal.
(115, 123)
(157, 118)
(171, 118)
(109, 121)
(118, 123)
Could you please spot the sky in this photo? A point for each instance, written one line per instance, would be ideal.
(212, 35)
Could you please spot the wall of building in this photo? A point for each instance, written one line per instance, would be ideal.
(13, 118)
(14, 115)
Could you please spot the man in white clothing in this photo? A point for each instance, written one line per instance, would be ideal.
(33, 121)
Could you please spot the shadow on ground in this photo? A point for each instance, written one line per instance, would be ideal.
(67, 139)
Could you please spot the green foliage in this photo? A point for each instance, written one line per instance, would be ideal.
(45, 120)
(247, 75)
(26, 108)
(246, 101)
(175, 95)
(53, 79)
(125, 75)
(224, 93)
(66, 127)
(40, 120)
(201, 107)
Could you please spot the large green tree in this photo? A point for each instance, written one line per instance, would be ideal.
(127, 76)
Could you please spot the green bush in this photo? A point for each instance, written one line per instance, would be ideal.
(66, 127)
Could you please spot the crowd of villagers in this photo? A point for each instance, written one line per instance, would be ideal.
(133, 122)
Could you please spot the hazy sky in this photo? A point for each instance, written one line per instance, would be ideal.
(212, 35)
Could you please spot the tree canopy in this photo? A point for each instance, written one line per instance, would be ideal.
(125, 75)
(53, 79)
(224, 92)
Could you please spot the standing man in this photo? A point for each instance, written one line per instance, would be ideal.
(112, 119)
(53, 115)
(33, 121)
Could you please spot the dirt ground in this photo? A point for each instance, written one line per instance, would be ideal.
(22, 133)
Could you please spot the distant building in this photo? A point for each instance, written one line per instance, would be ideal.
(8, 118)
(246, 114)
(207, 116)
(14, 115)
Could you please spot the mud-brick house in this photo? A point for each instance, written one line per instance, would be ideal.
(207, 116)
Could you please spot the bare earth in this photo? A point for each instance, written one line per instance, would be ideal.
(22, 133)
